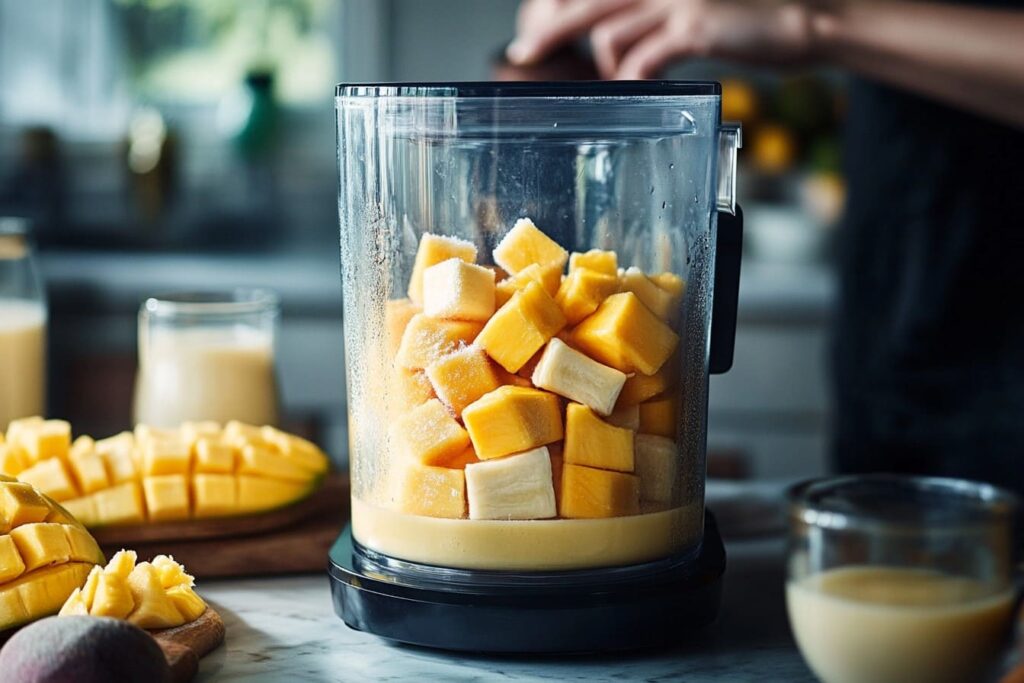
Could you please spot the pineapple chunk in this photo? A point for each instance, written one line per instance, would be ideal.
(521, 327)
(434, 249)
(189, 605)
(428, 434)
(589, 493)
(86, 466)
(214, 495)
(166, 497)
(427, 339)
(627, 417)
(458, 290)
(639, 387)
(591, 441)
(461, 377)
(654, 297)
(569, 373)
(20, 504)
(41, 544)
(153, 609)
(548, 277)
(50, 439)
(583, 291)
(11, 564)
(512, 419)
(515, 487)
(165, 456)
(432, 491)
(599, 261)
(525, 244)
(659, 417)
(624, 334)
(397, 314)
(657, 462)
(51, 478)
(213, 456)
(113, 598)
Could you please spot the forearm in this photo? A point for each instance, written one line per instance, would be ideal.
(970, 57)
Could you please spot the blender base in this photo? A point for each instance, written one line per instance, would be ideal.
(615, 608)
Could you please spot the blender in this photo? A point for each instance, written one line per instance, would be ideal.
(538, 279)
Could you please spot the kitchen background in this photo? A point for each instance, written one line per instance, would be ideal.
(168, 145)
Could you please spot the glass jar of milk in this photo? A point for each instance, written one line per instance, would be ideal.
(22, 326)
(207, 356)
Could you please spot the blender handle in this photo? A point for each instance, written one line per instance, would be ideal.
(728, 252)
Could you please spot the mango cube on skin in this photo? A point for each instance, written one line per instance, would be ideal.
(51, 478)
(210, 455)
(596, 260)
(86, 466)
(260, 493)
(661, 302)
(659, 417)
(591, 441)
(549, 277)
(166, 456)
(292, 447)
(397, 314)
(515, 487)
(627, 417)
(11, 564)
(41, 544)
(461, 377)
(166, 497)
(426, 339)
(83, 545)
(259, 460)
(583, 291)
(428, 434)
(214, 494)
(434, 249)
(457, 290)
(569, 373)
(20, 504)
(13, 459)
(525, 244)
(657, 465)
(51, 439)
(589, 493)
(640, 387)
(624, 334)
(116, 452)
(521, 327)
(121, 504)
(513, 419)
(432, 491)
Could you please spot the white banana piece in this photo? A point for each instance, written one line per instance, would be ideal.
(567, 372)
(514, 487)
(656, 460)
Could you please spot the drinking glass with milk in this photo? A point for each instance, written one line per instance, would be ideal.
(207, 356)
(897, 579)
(22, 326)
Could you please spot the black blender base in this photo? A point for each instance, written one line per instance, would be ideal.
(618, 608)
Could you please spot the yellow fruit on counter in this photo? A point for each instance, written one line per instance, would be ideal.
(44, 554)
(773, 148)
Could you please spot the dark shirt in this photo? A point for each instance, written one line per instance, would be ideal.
(929, 337)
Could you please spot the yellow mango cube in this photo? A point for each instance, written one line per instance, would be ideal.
(426, 339)
(583, 291)
(165, 456)
(591, 441)
(261, 493)
(13, 459)
(211, 455)
(166, 497)
(521, 327)
(626, 335)
(83, 545)
(397, 314)
(457, 290)
(121, 504)
(41, 544)
(51, 439)
(513, 419)
(214, 494)
(301, 451)
(434, 249)
(20, 429)
(459, 462)
(654, 297)
(659, 417)
(86, 466)
(428, 434)
(640, 387)
(432, 491)
(51, 478)
(673, 284)
(260, 460)
(525, 244)
(408, 389)
(549, 277)
(11, 564)
(596, 260)
(461, 377)
(117, 454)
(657, 465)
(590, 493)
(20, 504)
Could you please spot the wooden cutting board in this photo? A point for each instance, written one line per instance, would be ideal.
(183, 646)
(291, 540)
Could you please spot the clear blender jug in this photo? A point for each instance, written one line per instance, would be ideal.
(529, 279)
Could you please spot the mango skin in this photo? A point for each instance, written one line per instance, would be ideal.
(82, 650)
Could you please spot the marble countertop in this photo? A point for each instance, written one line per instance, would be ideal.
(285, 629)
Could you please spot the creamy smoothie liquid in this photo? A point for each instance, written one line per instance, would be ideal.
(895, 625)
(22, 359)
(206, 374)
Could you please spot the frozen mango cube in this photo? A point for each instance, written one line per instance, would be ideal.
(583, 291)
(426, 339)
(525, 244)
(595, 260)
(20, 504)
(13, 459)
(121, 504)
(654, 297)
(261, 493)
(589, 493)
(166, 497)
(627, 417)
(513, 419)
(515, 487)
(408, 389)
(591, 441)
(51, 439)
(657, 462)
(659, 417)
(550, 278)
(86, 466)
(213, 456)
(165, 456)
(434, 249)
(41, 544)
(460, 461)
(432, 491)
(214, 494)
(640, 387)
(397, 314)
(624, 334)
(11, 564)
(521, 327)
(428, 434)
(462, 377)
(457, 290)
(51, 478)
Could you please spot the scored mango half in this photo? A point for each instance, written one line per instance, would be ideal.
(199, 470)
(44, 554)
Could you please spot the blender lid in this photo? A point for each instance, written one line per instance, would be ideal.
(664, 88)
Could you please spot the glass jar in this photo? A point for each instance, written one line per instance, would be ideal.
(528, 276)
(895, 579)
(207, 356)
(23, 318)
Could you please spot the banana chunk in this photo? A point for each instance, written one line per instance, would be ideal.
(514, 487)
(567, 372)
